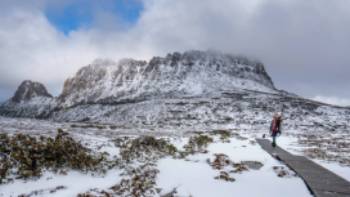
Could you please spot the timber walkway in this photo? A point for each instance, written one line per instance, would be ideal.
(320, 181)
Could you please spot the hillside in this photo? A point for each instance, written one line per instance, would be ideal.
(194, 90)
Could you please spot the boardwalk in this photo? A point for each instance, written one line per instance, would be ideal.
(320, 181)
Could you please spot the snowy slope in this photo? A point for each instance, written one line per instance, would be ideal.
(38, 107)
(228, 110)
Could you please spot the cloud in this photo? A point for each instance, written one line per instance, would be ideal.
(304, 44)
(31, 48)
(332, 100)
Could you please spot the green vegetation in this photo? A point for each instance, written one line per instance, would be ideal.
(140, 181)
(224, 135)
(145, 147)
(88, 126)
(198, 143)
(25, 156)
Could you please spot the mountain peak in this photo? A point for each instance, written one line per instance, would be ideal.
(177, 75)
(28, 90)
(193, 90)
(216, 62)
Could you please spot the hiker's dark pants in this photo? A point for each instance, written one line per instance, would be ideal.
(274, 135)
(274, 139)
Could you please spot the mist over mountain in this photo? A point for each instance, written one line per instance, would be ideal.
(191, 90)
(177, 75)
(150, 98)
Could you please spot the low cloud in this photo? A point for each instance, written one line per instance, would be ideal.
(332, 100)
(304, 44)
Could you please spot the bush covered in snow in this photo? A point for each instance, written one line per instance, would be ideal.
(25, 156)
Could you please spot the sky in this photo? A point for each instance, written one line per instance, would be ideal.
(304, 44)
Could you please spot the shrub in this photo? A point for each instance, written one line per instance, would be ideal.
(27, 156)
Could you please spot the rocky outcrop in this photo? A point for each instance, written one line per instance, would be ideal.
(178, 75)
(194, 90)
(28, 90)
(30, 100)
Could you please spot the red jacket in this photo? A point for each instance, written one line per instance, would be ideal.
(275, 126)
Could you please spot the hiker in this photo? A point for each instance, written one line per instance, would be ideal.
(275, 128)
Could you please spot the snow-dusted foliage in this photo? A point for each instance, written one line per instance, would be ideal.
(38, 107)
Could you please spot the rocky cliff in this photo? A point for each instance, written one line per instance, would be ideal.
(178, 75)
(31, 99)
(29, 90)
(193, 90)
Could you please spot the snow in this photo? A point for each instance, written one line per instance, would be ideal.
(290, 144)
(190, 176)
(176, 75)
(342, 171)
(196, 177)
(171, 96)
(194, 90)
(75, 182)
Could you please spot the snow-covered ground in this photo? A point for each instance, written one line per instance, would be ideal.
(195, 177)
(191, 175)
(290, 143)
(71, 184)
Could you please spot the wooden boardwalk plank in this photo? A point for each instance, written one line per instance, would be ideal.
(321, 181)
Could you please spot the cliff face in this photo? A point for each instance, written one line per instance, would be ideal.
(193, 90)
(28, 90)
(177, 75)
(31, 99)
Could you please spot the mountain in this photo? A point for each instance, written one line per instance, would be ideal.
(194, 90)
(31, 99)
(28, 90)
(177, 75)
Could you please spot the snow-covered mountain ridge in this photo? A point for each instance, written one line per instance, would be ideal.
(189, 91)
(177, 75)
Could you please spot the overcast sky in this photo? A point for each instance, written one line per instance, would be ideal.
(304, 44)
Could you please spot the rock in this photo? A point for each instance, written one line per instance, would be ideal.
(193, 90)
(28, 90)
(239, 167)
(255, 165)
(220, 161)
(161, 77)
(31, 100)
(225, 176)
(283, 172)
